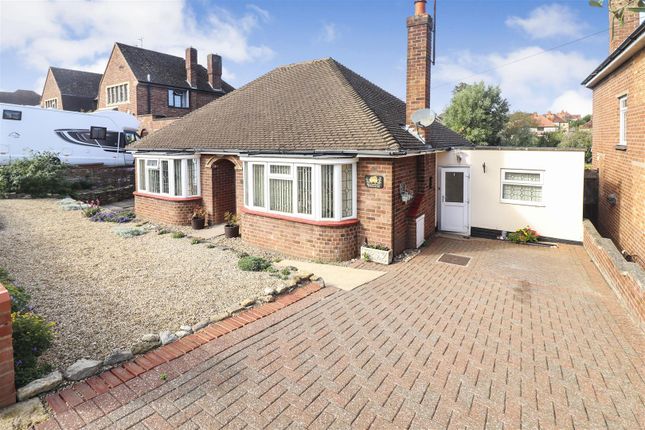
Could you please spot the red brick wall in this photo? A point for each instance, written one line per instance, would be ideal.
(314, 242)
(159, 101)
(374, 204)
(621, 172)
(118, 72)
(7, 376)
(626, 279)
(51, 91)
(165, 211)
(418, 64)
(620, 32)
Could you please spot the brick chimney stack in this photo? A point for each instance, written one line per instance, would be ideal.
(620, 33)
(419, 61)
(214, 63)
(191, 66)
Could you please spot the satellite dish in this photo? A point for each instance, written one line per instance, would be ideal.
(424, 117)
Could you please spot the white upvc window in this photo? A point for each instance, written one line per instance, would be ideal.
(522, 187)
(51, 103)
(318, 190)
(117, 94)
(622, 129)
(172, 176)
(178, 98)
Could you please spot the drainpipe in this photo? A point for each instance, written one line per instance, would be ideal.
(148, 87)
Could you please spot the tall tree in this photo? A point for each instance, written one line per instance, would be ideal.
(517, 131)
(478, 112)
(578, 139)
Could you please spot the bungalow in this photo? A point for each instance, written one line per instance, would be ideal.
(318, 160)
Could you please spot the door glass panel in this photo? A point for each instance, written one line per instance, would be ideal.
(454, 187)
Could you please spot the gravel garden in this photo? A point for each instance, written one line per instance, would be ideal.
(107, 283)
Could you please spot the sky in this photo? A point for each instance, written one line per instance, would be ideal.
(538, 52)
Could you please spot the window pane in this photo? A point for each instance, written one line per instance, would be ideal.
(142, 175)
(522, 176)
(454, 187)
(165, 185)
(258, 185)
(178, 191)
(245, 172)
(526, 193)
(347, 181)
(280, 170)
(304, 190)
(192, 177)
(281, 195)
(153, 180)
(327, 191)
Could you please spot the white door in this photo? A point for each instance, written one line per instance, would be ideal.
(455, 200)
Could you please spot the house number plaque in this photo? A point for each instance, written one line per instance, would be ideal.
(373, 181)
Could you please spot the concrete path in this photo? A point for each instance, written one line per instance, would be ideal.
(341, 277)
(522, 337)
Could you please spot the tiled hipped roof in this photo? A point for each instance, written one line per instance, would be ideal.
(77, 83)
(164, 69)
(318, 106)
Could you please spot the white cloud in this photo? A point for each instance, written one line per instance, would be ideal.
(531, 78)
(81, 34)
(329, 33)
(548, 21)
(578, 101)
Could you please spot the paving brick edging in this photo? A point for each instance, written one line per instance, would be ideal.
(626, 279)
(7, 371)
(73, 397)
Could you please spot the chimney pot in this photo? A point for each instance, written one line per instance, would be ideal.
(214, 63)
(420, 7)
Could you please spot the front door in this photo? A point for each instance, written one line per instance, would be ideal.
(455, 200)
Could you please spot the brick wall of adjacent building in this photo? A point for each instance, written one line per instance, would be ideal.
(118, 72)
(374, 204)
(159, 101)
(621, 172)
(7, 375)
(164, 210)
(51, 91)
(627, 280)
(617, 32)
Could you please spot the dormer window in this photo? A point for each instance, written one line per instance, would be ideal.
(178, 98)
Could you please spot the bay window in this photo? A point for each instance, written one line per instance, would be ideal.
(172, 176)
(323, 190)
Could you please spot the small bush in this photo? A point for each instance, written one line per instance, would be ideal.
(111, 216)
(524, 235)
(32, 335)
(92, 208)
(178, 235)
(39, 175)
(195, 242)
(253, 264)
(163, 231)
(285, 272)
(19, 297)
(130, 232)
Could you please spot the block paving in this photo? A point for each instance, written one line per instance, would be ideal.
(523, 337)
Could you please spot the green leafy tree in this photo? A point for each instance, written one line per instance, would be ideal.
(578, 122)
(550, 140)
(517, 131)
(618, 12)
(578, 139)
(478, 112)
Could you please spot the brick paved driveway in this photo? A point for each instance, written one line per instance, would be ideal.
(523, 337)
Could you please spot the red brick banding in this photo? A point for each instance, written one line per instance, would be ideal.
(7, 372)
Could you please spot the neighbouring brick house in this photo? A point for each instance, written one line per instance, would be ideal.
(158, 88)
(618, 86)
(68, 89)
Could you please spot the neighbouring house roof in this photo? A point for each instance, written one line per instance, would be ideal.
(632, 43)
(165, 69)
(76, 82)
(542, 121)
(20, 97)
(315, 106)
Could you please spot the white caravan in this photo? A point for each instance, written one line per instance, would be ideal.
(78, 138)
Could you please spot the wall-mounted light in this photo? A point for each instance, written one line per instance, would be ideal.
(458, 155)
(406, 195)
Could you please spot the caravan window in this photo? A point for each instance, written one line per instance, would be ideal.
(130, 137)
(15, 115)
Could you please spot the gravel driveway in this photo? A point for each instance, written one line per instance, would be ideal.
(104, 291)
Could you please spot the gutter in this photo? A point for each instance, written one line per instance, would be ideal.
(632, 44)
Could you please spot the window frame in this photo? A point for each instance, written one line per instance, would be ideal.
(126, 92)
(504, 181)
(171, 175)
(316, 186)
(186, 95)
(622, 120)
(51, 103)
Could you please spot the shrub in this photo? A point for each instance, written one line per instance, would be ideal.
(39, 175)
(93, 207)
(178, 235)
(195, 242)
(163, 231)
(130, 232)
(524, 235)
(19, 297)
(111, 216)
(253, 264)
(32, 335)
(285, 272)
